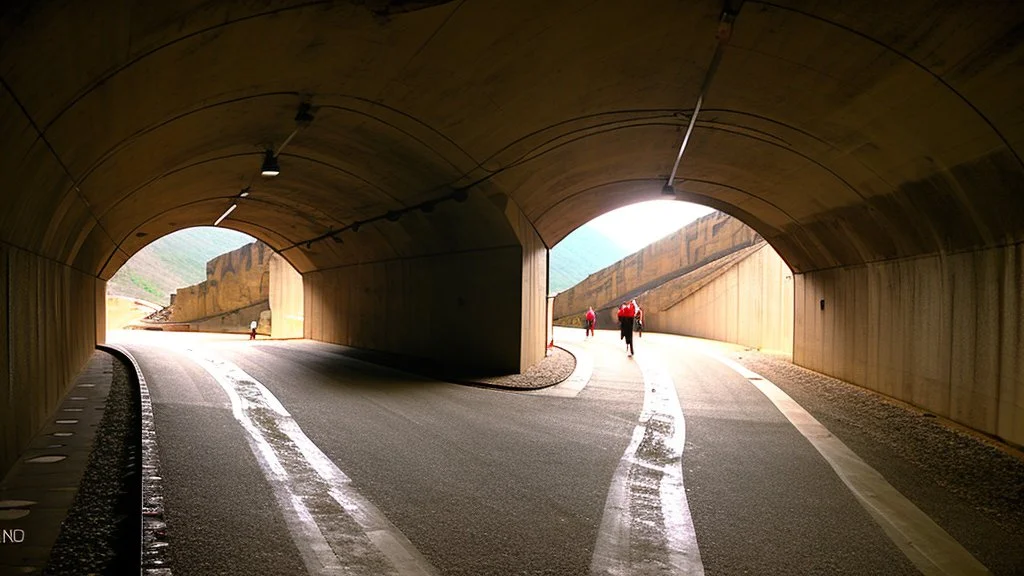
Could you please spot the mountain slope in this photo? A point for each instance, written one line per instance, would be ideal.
(174, 261)
(580, 254)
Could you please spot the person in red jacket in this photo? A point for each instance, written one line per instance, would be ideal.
(627, 314)
(591, 319)
(622, 321)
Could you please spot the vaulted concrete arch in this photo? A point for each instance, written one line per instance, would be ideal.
(877, 146)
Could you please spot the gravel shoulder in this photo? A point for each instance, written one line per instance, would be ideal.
(101, 532)
(970, 484)
(553, 369)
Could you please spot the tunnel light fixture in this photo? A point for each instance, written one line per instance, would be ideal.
(270, 166)
(355, 226)
(244, 193)
(393, 215)
(460, 195)
(225, 214)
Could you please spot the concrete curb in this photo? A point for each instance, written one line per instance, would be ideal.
(153, 533)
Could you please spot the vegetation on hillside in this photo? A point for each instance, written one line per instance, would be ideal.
(174, 261)
(579, 255)
(179, 259)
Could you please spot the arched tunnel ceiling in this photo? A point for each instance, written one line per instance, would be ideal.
(844, 132)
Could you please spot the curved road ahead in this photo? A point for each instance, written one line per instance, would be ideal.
(287, 457)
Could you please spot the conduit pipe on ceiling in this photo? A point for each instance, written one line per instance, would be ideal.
(722, 35)
(303, 118)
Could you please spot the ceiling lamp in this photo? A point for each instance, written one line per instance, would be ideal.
(270, 167)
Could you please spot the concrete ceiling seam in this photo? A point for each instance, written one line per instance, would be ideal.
(152, 128)
(770, 142)
(134, 231)
(257, 231)
(800, 131)
(42, 138)
(411, 136)
(573, 195)
(132, 61)
(417, 257)
(459, 195)
(42, 257)
(907, 58)
(131, 138)
(650, 114)
(683, 195)
(298, 213)
(429, 39)
(229, 156)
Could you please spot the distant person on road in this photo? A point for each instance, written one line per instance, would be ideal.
(252, 330)
(622, 321)
(628, 316)
(591, 319)
(639, 320)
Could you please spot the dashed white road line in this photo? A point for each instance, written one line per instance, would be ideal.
(931, 549)
(336, 529)
(646, 508)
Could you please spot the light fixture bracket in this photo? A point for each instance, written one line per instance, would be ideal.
(270, 166)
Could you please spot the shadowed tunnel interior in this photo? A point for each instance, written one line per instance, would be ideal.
(877, 146)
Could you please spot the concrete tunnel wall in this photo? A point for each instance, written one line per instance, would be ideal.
(848, 140)
(750, 303)
(944, 332)
(51, 318)
(483, 309)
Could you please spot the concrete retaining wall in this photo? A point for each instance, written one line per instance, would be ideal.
(700, 241)
(51, 317)
(234, 280)
(286, 302)
(750, 303)
(945, 333)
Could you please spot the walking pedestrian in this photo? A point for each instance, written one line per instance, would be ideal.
(622, 321)
(591, 319)
(252, 330)
(628, 316)
(639, 320)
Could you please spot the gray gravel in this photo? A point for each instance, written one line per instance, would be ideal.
(95, 538)
(971, 485)
(554, 368)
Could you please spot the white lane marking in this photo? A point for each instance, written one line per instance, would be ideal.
(337, 529)
(646, 508)
(930, 548)
(576, 381)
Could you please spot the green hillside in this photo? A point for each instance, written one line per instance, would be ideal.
(579, 255)
(174, 261)
(179, 260)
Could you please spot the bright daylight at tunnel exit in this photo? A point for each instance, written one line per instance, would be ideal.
(463, 287)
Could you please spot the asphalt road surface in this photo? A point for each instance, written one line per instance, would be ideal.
(287, 457)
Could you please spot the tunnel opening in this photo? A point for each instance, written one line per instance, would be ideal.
(692, 270)
(206, 279)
